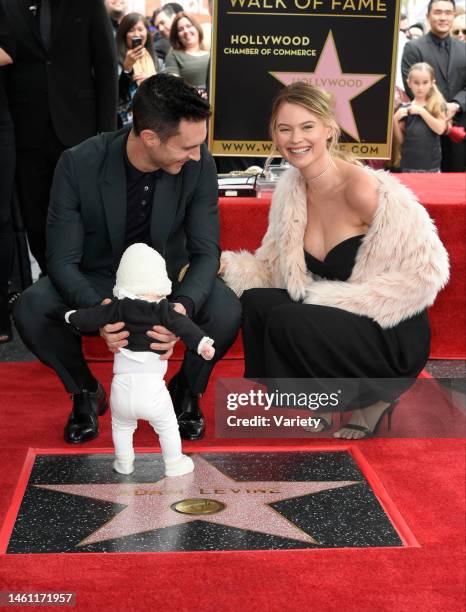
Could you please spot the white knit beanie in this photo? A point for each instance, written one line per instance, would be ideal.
(142, 271)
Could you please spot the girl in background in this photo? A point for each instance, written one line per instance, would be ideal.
(419, 124)
(458, 29)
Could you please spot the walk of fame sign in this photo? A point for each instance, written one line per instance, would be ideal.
(347, 47)
(232, 501)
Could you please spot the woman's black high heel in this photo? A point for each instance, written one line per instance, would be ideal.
(370, 433)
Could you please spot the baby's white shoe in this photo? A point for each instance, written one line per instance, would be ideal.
(124, 465)
(178, 467)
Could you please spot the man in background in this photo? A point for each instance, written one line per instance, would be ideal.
(62, 89)
(116, 10)
(162, 20)
(447, 57)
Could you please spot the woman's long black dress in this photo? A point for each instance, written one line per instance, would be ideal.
(286, 339)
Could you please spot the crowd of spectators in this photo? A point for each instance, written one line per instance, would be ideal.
(170, 41)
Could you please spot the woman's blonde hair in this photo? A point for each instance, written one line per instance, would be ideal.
(320, 103)
(435, 102)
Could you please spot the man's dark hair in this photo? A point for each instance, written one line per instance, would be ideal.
(418, 25)
(160, 103)
(429, 6)
(171, 8)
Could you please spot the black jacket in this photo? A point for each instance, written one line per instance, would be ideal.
(86, 223)
(74, 83)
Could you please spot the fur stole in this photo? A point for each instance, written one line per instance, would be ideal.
(400, 267)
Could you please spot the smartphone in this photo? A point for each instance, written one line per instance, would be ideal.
(136, 42)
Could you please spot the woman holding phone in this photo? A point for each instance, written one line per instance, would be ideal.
(136, 59)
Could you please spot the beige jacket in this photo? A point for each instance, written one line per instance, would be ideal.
(400, 267)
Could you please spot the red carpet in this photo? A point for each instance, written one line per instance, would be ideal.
(424, 478)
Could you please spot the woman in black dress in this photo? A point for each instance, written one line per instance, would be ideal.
(350, 262)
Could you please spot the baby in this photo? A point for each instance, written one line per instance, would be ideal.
(138, 389)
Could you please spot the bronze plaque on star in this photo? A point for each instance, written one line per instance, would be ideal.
(347, 47)
(232, 501)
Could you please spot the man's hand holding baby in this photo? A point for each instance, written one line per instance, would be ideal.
(167, 339)
(112, 334)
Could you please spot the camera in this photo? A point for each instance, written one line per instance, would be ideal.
(136, 42)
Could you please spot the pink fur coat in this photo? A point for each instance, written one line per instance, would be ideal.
(400, 267)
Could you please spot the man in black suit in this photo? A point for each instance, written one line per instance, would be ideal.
(62, 90)
(447, 57)
(156, 184)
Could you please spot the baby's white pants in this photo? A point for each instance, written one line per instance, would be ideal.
(139, 392)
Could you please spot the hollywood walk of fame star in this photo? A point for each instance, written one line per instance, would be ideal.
(343, 85)
(149, 506)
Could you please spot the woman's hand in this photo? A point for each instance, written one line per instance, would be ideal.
(222, 266)
(132, 56)
(139, 78)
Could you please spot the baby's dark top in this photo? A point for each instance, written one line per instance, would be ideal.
(139, 316)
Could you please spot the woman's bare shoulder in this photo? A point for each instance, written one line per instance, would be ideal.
(361, 190)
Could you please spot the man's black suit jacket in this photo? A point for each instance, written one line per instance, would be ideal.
(86, 223)
(453, 84)
(74, 82)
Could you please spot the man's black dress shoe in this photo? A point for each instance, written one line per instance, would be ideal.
(188, 413)
(83, 424)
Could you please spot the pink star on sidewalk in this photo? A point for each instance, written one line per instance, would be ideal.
(150, 506)
(343, 85)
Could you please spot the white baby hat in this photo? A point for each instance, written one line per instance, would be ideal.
(142, 270)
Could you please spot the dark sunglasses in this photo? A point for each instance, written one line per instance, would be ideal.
(456, 32)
